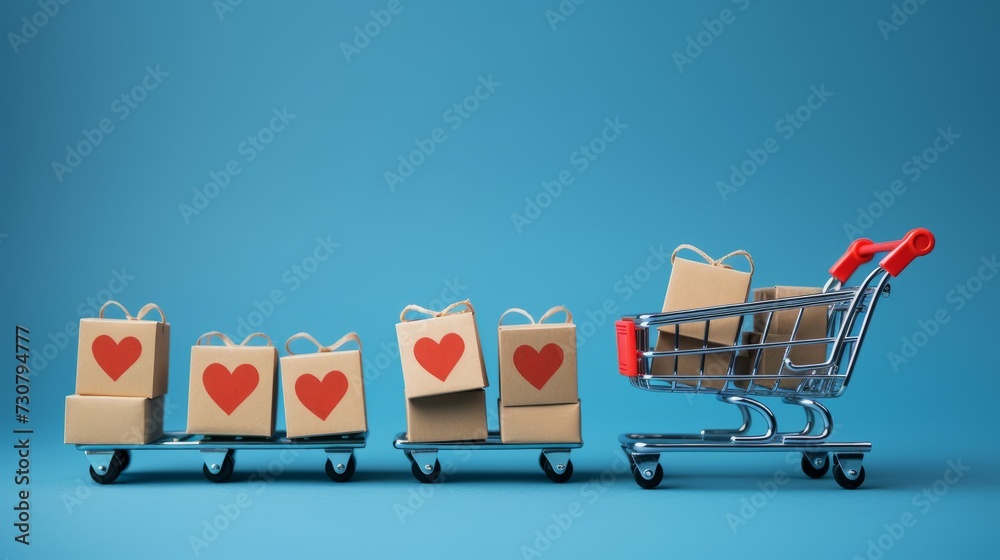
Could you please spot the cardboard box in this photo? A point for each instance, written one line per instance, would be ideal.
(716, 363)
(123, 357)
(813, 323)
(233, 389)
(549, 423)
(441, 354)
(706, 284)
(451, 417)
(125, 420)
(324, 393)
(772, 358)
(538, 363)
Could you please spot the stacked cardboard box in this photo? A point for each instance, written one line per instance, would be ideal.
(539, 401)
(121, 377)
(812, 325)
(444, 375)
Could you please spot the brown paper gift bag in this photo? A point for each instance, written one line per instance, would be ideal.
(324, 392)
(707, 284)
(537, 360)
(233, 388)
(123, 357)
(440, 354)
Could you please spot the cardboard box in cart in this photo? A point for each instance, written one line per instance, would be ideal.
(813, 323)
(451, 417)
(125, 420)
(233, 388)
(324, 392)
(537, 360)
(441, 353)
(551, 423)
(123, 357)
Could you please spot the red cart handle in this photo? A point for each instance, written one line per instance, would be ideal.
(917, 243)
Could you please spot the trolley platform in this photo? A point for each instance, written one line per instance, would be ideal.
(107, 461)
(553, 459)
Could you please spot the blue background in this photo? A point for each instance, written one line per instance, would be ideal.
(449, 226)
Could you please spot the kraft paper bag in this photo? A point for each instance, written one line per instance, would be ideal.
(441, 353)
(234, 387)
(123, 357)
(695, 284)
(537, 360)
(324, 391)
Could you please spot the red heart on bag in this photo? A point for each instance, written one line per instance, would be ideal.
(116, 357)
(439, 358)
(229, 390)
(321, 397)
(538, 367)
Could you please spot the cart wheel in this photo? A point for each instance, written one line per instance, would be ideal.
(124, 458)
(426, 478)
(224, 473)
(114, 469)
(811, 470)
(846, 483)
(648, 484)
(542, 461)
(340, 477)
(551, 472)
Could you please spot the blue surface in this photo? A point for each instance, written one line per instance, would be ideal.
(547, 85)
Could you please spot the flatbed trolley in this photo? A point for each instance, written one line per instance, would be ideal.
(553, 459)
(849, 312)
(107, 461)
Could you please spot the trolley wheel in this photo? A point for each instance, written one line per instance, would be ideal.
(224, 473)
(426, 478)
(846, 483)
(340, 477)
(551, 473)
(648, 484)
(811, 471)
(114, 469)
(124, 457)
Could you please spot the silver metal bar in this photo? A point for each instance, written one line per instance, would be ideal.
(492, 441)
(178, 440)
(656, 443)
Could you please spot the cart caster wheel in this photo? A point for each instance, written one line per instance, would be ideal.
(124, 458)
(340, 477)
(224, 473)
(648, 484)
(551, 473)
(810, 469)
(846, 483)
(114, 469)
(426, 478)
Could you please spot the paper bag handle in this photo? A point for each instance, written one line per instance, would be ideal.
(464, 303)
(142, 312)
(710, 260)
(349, 337)
(546, 315)
(206, 339)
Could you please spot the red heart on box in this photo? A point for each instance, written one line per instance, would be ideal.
(116, 357)
(229, 390)
(321, 397)
(439, 358)
(538, 367)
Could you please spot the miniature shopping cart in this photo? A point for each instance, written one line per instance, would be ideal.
(849, 311)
